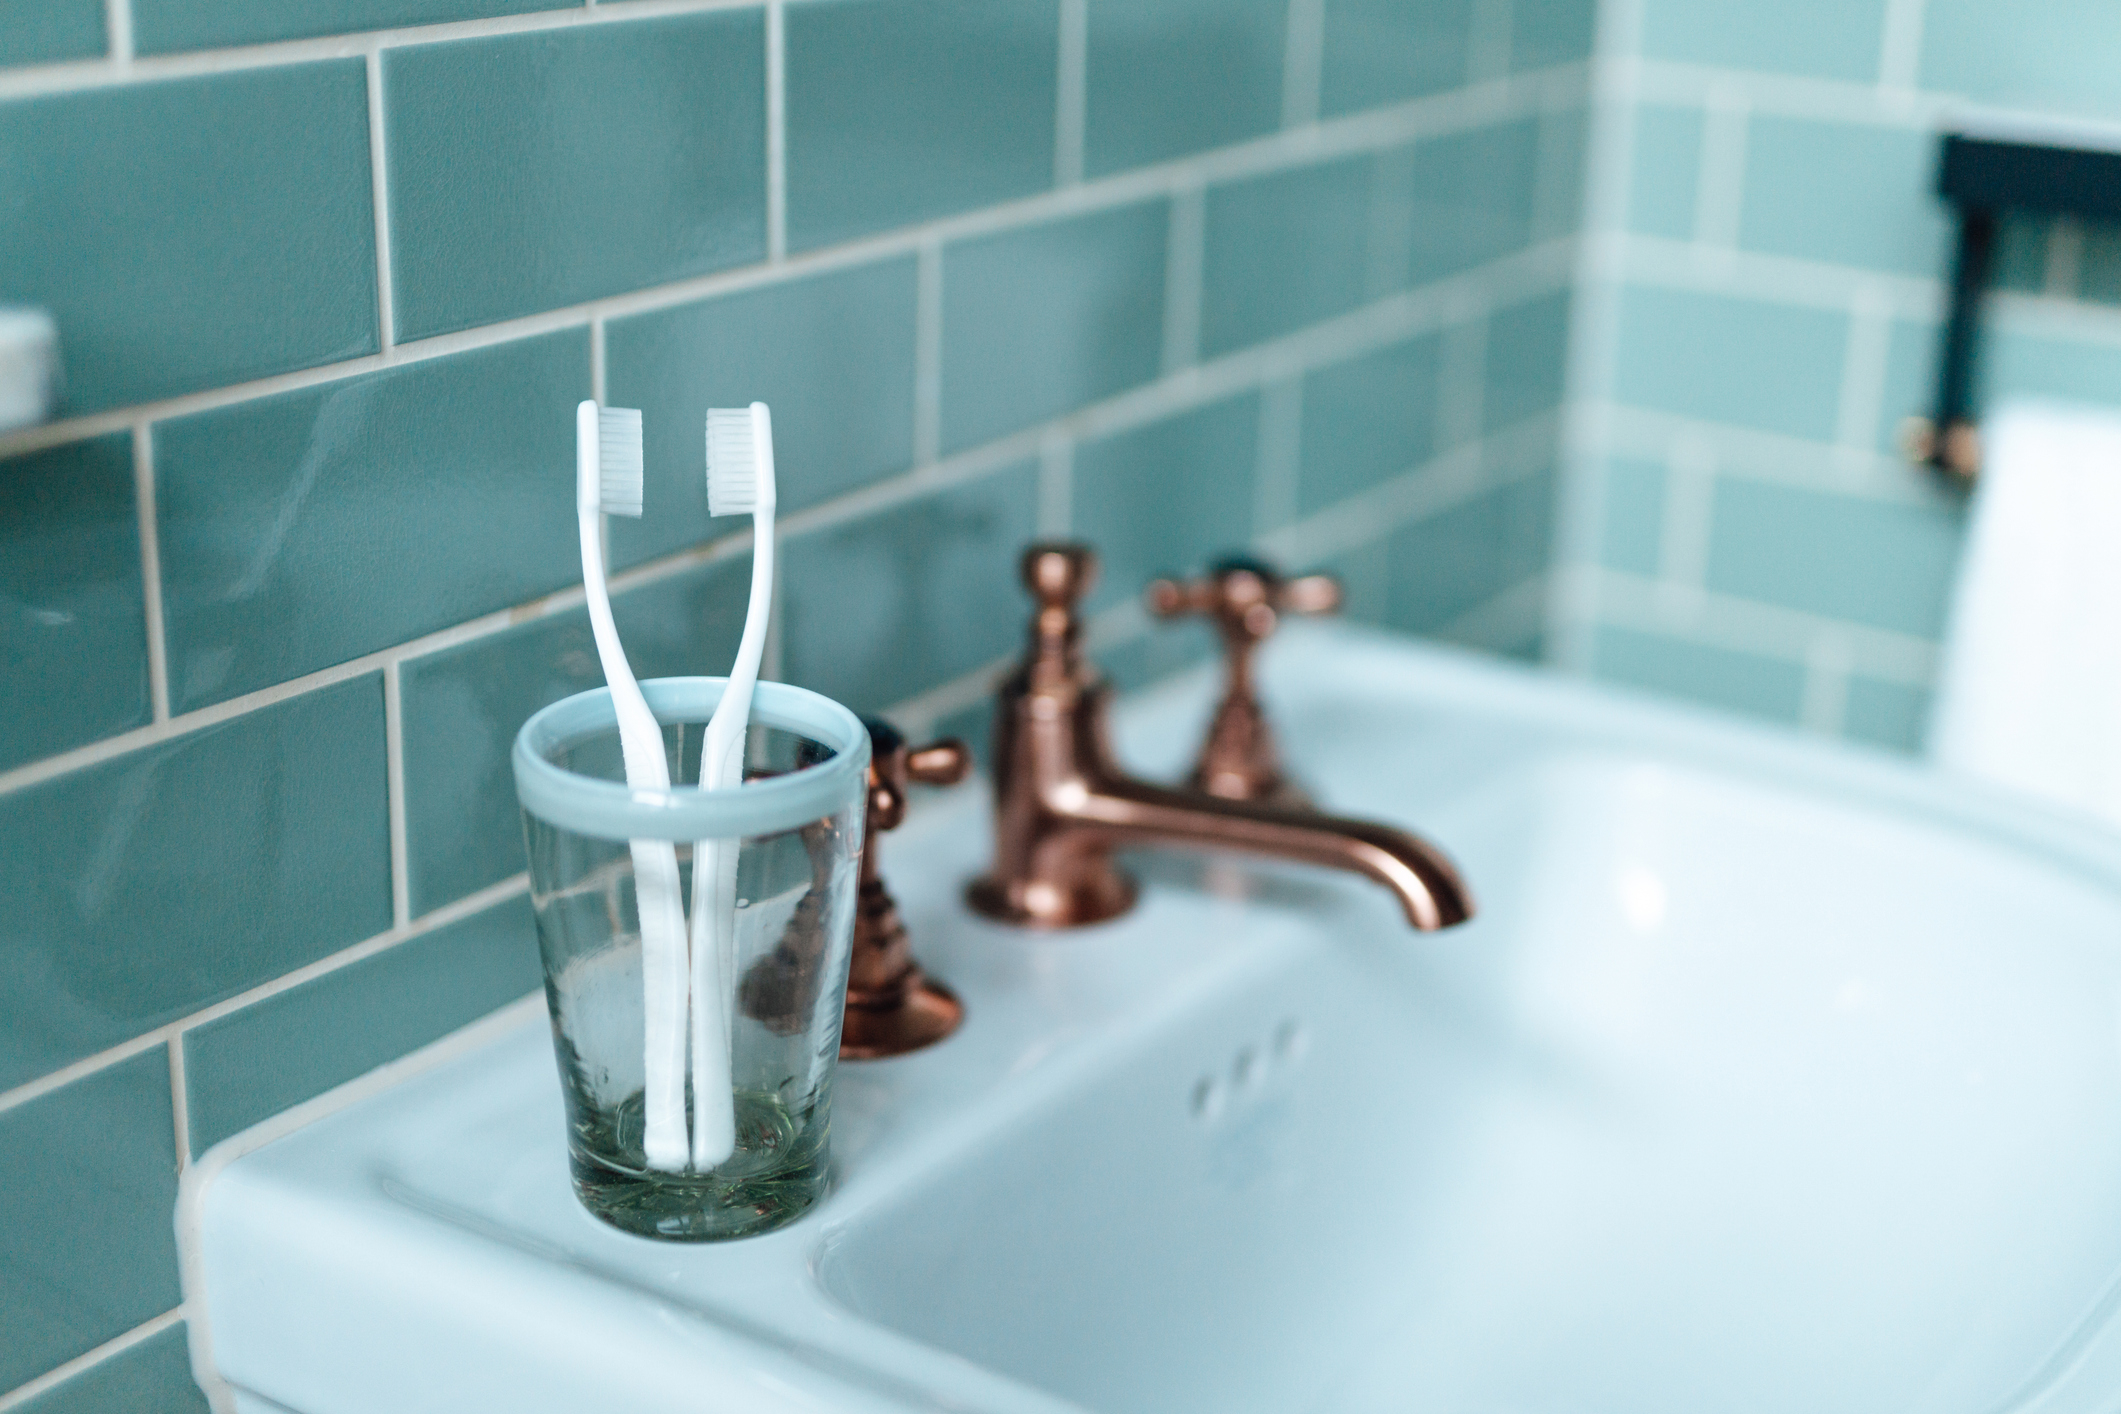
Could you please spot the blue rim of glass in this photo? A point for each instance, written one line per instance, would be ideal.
(613, 810)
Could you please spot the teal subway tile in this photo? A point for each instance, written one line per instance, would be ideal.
(88, 1193)
(154, 1375)
(195, 232)
(832, 355)
(531, 171)
(1472, 194)
(1774, 367)
(1167, 498)
(2099, 264)
(1364, 573)
(1845, 194)
(1910, 388)
(1367, 420)
(1459, 558)
(2058, 55)
(1826, 39)
(463, 706)
(1697, 672)
(251, 1064)
(73, 622)
(907, 598)
(974, 726)
(1563, 144)
(1164, 649)
(1284, 250)
(1664, 173)
(47, 31)
(1166, 78)
(1527, 360)
(302, 530)
(167, 26)
(2015, 363)
(1884, 564)
(905, 110)
(1387, 51)
(1631, 537)
(1040, 321)
(1886, 714)
(145, 887)
(1544, 33)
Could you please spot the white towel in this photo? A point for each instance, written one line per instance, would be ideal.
(2030, 690)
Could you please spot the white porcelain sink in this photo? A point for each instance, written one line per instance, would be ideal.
(1772, 1077)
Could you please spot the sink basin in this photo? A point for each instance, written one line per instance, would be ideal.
(1773, 1076)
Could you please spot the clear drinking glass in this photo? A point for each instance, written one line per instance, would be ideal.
(798, 817)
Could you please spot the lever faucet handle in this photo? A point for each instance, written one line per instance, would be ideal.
(1245, 597)
(892, 1006)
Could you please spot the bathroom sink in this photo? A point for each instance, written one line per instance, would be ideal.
(1772, 1076)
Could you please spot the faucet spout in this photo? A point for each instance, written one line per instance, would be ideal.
(1062, 805)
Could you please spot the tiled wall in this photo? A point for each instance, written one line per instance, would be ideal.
(1763, 286)
(296, 560)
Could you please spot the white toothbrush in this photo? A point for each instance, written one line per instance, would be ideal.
(608, 480)
(739, 482)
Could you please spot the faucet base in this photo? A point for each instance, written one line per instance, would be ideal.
(1094, 897)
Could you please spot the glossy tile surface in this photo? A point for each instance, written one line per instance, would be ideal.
(1665, 171)
(1527, 359)
(153, 1375)
(1632, 538)
(1368, 420)
(1017, 351)
(876, 610)
(1452, 562)
(1845, 194)
(250, 250)
(1774, 367)
(1881, 564)
(531, 171)
(1886, 713)
(1168, 498)
(1544, 33)
(1717, 677)
(1171, 77)
(150, 885)
(73, 624)
(1387, 51)
(1837, 39)
(296, 1044)
(464, 705)
(881, 102)
(88, 1183)
(164, 26)
(48, 31)
(832, 355)
(1472, 196)
(306, 529)
(2054, 55)
(1283, 251)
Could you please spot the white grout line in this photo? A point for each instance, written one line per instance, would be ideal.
(150, 572)
(379, 200)
(1720, 190)
(394, 788)
(1302, 62)
(118, 32)
(1056, 486)
(1276, 489)
(53, 1378)
(1488, 41)
(1746, 274)
(1185, 257)
(1765, 456)
(1900, 52)
(1689, 513)
(776, 132)
(1071, 93)
(1863, 370)
(928, 354)
(1680, 84)
(2065, 258)
(944, 699)
(1824, 708)
(180, 1101)
(1521, 96)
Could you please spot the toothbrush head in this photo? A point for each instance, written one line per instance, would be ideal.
(621, 469)
(739, 461)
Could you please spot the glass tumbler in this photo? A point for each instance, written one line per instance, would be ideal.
(798, 823)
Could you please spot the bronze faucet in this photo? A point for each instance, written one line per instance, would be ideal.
(1245, 598)
(1062, 805)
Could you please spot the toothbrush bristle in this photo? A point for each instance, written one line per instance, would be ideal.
(732, 463)
(620, 463)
